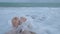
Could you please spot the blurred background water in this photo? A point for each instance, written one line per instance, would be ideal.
(46, 20)
(32, 1)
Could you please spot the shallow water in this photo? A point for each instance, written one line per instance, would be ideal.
(46, 20)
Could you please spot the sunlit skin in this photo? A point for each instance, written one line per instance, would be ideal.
(15, 21)
(22, 19)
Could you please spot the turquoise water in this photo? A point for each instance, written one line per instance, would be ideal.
(7, 4)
